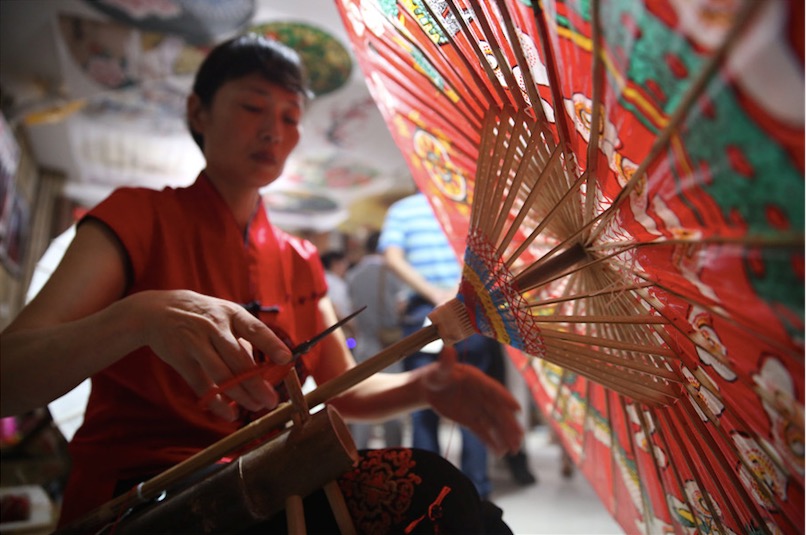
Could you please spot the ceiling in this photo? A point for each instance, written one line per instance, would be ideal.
(105, 127)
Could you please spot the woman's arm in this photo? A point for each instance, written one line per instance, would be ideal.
(396, 260)
(78, 325)
(459, 392)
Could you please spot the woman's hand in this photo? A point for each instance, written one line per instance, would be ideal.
(475, 400)
(208, 341)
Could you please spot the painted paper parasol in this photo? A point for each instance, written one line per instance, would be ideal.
(648, 273)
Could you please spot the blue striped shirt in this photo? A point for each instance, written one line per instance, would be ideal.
(410, 224)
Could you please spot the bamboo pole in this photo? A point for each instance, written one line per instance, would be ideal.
(146, 491)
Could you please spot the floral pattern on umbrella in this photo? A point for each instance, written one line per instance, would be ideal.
(658, 256)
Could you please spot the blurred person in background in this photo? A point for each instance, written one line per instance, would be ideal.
(336, 266)
(416, 249)
(372, 284)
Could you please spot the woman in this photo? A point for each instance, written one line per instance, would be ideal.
(151, 301)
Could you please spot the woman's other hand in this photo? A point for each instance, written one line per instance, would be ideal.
(468, 396)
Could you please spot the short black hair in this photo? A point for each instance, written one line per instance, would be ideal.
(245, 55)
(371, 245)
(331, 257)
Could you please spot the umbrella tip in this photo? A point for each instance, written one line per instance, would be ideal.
(452, 322)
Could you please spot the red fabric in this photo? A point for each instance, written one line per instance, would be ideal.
(142, 417)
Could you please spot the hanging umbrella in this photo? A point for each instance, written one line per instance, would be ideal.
(201, 22)
(648, 272)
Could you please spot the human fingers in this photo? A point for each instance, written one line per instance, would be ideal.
(246, 326)
(199, 381)
(506, 430)
(219, 372)
(500, 430)
(237, 355)
(501, 409)
(494, 411)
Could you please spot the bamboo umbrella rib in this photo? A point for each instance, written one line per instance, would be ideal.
(622, 361)
(641, 415)
(516, 185)
(485, 148)
(645, 335)
(526, 71)
(503, 63)
(761, 484)
(554, 79)
(481, 103)
(512, 171)
(390, 67)
(533, 193)
(717, 311)
(420, 103)
(592, 163)
(705, 437)
(575, 297)
(648, 512)
(696, 339)
(467, 71)
(644, 392)
(682, 442)
(618, 383)
(474, 45)
(567, 197)
(503, 153)
(478, 81)
(604, 342)
(779, 239)
(648, 335)
(486, 161)
(689, 99)
(619, 304)
(651, 371)
(614, 376)
(610, 318)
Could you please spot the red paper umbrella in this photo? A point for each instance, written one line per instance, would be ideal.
(625, 181)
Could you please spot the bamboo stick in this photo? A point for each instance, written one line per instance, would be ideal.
(256, 430)
(635, 320)
(611, 359)
(598, 81)
(597, 341)
(339, 507)
(745, 15)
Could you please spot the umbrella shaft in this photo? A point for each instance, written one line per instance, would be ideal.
(543, 271)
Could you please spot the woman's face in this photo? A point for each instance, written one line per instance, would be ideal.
(249, 130)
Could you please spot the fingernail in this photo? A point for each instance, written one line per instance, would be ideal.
(223, 410)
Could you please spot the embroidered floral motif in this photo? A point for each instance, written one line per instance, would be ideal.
(379, 491)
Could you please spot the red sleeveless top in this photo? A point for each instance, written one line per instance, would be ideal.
(141, 416)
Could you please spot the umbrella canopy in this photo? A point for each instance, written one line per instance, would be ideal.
(648, 270)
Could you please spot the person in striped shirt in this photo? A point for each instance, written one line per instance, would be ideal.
(417, 250)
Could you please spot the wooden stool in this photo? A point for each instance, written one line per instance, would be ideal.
(309, 454)
(293, 505)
